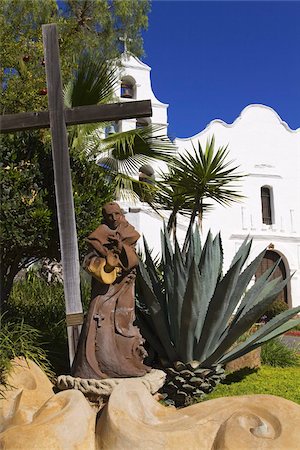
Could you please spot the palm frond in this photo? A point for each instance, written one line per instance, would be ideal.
(196, 177)
(94, 82)
(132, 148)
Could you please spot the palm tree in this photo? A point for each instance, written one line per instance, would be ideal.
(119, 154)
(195, 178)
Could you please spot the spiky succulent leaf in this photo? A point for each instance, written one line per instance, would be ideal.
(277, 326)
(153, 278)
(190, 313)
(210, 266)
(175, 306)
(159, 320)
(167, 267)
(145, 323)
(240, 252)
(241, 286)
(217, 307)
(269, 292)
(253, 295)
(197, 245)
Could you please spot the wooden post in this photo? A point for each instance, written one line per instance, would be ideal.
(63, 189)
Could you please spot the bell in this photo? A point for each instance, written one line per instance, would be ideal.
(110, 130)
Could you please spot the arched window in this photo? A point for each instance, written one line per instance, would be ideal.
(266, 205)
(128, 87)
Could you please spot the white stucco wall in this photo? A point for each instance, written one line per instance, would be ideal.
(266, 149)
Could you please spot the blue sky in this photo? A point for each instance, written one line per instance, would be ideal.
(210, 59)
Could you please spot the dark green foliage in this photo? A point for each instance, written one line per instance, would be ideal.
(93, 24)
(189, 312)
(28, 210)
(42, 306)
(25, 216)
(274, 309)
(276, 353)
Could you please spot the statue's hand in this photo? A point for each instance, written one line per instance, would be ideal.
(113, 259)
(116, 242)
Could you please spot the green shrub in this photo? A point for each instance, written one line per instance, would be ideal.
(42, 306)
(20, 339)
(275, 308)
(275, 353)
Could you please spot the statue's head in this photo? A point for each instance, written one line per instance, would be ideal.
(112, 215)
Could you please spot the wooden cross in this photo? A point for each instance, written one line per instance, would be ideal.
(57, 118)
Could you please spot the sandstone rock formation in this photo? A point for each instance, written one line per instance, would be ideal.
(33, 417)
(133, 419)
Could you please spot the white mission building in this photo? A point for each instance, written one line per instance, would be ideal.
(266, 149)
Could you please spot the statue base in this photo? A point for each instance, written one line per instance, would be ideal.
(97, 392)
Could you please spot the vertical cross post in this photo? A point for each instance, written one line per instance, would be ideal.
(63, 189)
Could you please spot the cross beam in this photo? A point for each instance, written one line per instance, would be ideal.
(57, 118)
(79, 115)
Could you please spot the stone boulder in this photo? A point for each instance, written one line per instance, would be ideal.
(132, 419)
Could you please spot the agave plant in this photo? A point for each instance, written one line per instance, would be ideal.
(192, 315)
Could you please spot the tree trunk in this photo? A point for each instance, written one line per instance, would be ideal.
(190, 229)
(7, 275)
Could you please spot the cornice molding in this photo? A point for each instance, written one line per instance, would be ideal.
(238, 119)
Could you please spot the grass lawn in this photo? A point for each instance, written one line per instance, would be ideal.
(283, 382)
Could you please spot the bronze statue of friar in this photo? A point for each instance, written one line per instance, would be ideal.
(110, 346)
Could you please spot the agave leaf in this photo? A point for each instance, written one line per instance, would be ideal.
(167, 265)
(190, 314)
(157, 315)
(188, 251)
(240, 252)
(269, 292)
(149, 335)
(242, 283)
(197, 245)
(272, 325)
(252, 296)
(209, 267)
(167, 251)
(263, 335)
(217, 307)
(155, 282)
(218, 238)
(175, 303)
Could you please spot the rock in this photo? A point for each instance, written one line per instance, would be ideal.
(64, 422)
(250, 360)
(33, 417)
(28, 388)
(132, 419)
